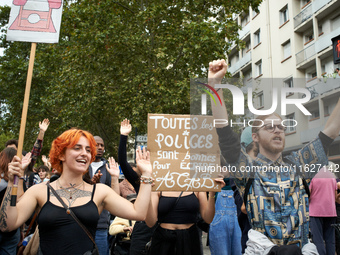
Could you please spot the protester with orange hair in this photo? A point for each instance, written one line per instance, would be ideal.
(71, 153)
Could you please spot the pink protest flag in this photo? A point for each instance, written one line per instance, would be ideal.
(35, 21)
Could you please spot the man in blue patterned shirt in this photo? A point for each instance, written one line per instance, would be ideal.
(277, 202)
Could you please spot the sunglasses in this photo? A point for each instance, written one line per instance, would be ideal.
(271, 128)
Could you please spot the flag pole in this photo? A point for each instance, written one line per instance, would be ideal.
(23, 119)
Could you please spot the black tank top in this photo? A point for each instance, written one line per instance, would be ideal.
(184, 212)
(60, 233)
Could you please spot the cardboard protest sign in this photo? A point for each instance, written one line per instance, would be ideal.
(184, 152)
(35, 21)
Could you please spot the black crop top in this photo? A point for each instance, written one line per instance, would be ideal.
(184, 212)
(60, 233)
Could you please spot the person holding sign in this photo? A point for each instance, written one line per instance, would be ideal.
(141, 232)
(9, 240)
(230, 223)
(176, 214)
(276, 201)
(71, 154)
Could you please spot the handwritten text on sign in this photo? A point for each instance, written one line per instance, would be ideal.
(182, 148)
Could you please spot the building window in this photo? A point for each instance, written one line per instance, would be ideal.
(233, 59)
(257, 37)
(260, 99)
(326, 110)
(288, 83)
(320, 30)
(309, 36)
(315, 114)
(284, 17)
(258, 68)
(286, 50)
(246, 49)
(304, 3)
(247, 75)
(311, 75)
(290, 123)
(245, 20)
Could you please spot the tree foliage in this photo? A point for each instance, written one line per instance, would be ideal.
(115, 60)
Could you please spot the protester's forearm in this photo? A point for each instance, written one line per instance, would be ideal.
(41, 135)
(217, 70)
(8, 213)
(229, 143)
(36, 151)
(115, 184)
(127, 170)
(219, 111)
(141, 204)
(209, 212)
(151, 216)
(20, 188)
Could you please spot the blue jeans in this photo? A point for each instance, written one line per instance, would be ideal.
(323, 234)
(9, 242)
(225, 233)
(102, 241)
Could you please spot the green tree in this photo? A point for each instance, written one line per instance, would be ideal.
(116, 60)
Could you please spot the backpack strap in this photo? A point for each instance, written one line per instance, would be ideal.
(246, 190)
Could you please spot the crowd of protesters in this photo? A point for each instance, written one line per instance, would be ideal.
(74, 202)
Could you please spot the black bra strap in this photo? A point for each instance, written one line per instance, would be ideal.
(48, 193)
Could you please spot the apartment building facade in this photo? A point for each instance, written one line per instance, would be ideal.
(288, 44)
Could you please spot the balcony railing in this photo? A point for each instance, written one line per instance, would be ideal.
(304, 15)
(245, 30)
(318, 4)
(243, 61)
(326, 40)
(305, 54)
(324, 86)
